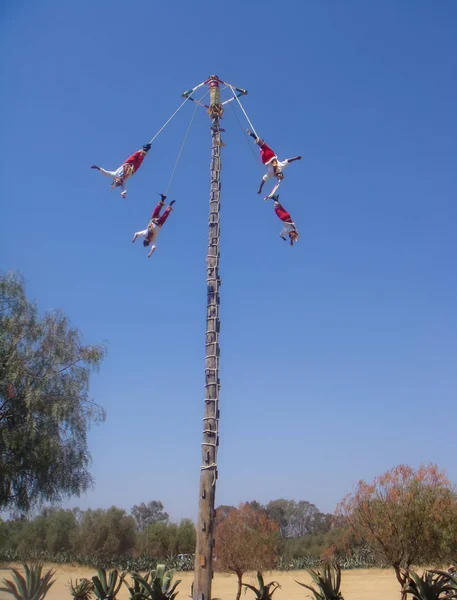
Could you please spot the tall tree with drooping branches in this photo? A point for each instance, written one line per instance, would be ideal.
(45, 407)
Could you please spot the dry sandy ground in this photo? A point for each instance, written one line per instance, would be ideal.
(364, 584)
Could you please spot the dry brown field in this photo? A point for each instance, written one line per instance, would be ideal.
(360, 584)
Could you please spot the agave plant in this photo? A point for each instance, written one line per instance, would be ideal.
(433, 585)
(82, 589)
(107, 588)
(157, 585)
(141, 587)
(328, 582)
(450, 576)
(34, 586)
(264, 591)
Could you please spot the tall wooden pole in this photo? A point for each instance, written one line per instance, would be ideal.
(207, 491)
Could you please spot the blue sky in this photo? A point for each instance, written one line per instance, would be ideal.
(338, 356)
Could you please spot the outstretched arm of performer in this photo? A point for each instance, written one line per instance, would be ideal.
(151, 251)
(262, 183)
(138, 234)
(291, 160)
(284, 232)
(111, 174)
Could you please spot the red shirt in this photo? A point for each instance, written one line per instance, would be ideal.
(282, 213)
(135, 160)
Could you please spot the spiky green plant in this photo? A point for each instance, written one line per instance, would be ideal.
(34, 586)
(327, 580)
(107, 588)
(81, 589)
(157, 585)
(138, 589)
(264, 591)
(451, 578)
(433, 585)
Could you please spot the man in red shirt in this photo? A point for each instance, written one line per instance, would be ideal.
(274, 166)
(155, 224)
(126, 170)
(289, 226)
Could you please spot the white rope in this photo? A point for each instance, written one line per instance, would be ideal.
(181, 149)
(184, 141)
(244, 112)
(163, 126)
(245, 135)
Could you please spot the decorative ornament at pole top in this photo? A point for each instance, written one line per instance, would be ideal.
(213, 81)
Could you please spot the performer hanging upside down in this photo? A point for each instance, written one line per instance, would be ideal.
(126, 170)
(157, 220)
(289, 226)
(274, 166)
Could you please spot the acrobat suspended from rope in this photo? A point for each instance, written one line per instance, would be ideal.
(274, 166)
(289, 227)
(155, 224)
(126, 170)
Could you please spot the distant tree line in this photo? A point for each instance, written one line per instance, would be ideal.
(97, 536)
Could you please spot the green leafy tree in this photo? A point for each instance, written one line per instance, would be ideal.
(45, 408)
(52, 530)
(105, 533)
(186, 536)
(147, 514)
(61, 528)
(280, 510)
(160, 540)
(298, 519)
